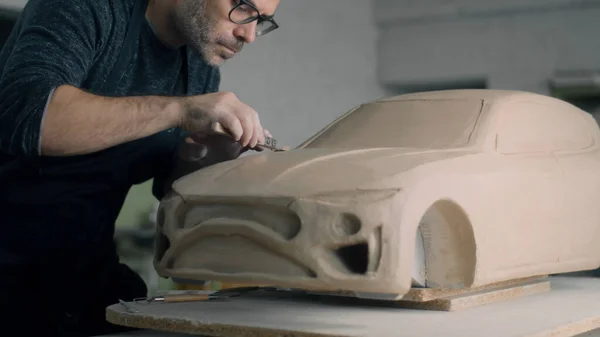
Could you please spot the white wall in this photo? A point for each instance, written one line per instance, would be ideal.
(511, 44)
(393, 11)
(318, 64)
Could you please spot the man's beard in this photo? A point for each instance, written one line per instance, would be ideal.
(198, 30)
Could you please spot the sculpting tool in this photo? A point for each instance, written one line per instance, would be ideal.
(128, 308)
(202, 295)
(270, 143)
(172, 298)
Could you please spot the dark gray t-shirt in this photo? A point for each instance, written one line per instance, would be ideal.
(56, 201)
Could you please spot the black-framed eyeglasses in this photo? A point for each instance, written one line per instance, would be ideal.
(245, 12)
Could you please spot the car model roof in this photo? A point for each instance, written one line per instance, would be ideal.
(489, 95)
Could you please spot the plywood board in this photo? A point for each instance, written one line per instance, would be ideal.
(459, 299)
(482, 297)
(571, 308)
(153, 333)
(429, 294)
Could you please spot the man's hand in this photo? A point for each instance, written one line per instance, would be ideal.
(202, 150)
(206, 150)
(199, 112)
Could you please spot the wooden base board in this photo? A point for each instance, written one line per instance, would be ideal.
(472, 299)
(429, 294)
(459, 299)
(571, 308)
(155, 333)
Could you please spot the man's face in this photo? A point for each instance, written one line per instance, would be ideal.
(205, 26)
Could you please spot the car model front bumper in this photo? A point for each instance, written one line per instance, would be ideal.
(331, 242)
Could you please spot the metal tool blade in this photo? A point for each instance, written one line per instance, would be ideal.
(270, 143)
(128, 307)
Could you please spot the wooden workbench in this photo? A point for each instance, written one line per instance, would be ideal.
(153, 333)
(571, 308)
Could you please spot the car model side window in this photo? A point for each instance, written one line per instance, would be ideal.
(533, 127)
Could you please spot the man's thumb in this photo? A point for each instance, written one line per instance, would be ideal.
(192, 151)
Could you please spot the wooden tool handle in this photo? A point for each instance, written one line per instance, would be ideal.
(187, 298)
(270, 143)
(218, 128)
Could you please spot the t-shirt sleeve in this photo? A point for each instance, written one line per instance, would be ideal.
(159, 185)
(56, 42)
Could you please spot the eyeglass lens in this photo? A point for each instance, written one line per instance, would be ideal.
(244, 13)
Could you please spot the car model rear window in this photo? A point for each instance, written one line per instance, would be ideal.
(431, 124)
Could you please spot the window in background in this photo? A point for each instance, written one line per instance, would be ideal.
(580, 88)
(466, 83)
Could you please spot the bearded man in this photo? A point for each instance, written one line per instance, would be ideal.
(95, 97)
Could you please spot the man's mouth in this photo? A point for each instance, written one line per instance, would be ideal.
(231, 48)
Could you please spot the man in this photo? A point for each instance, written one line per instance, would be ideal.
(96, 96)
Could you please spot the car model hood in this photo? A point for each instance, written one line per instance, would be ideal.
(303, 172)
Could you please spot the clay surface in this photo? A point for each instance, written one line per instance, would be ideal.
(571, 308)
(448, 189)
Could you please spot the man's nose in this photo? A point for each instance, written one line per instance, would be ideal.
(246, 32)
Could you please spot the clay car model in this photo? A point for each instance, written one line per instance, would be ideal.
(444, 189)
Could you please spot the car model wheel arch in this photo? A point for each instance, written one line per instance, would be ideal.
(448, 246)
(440, 254)
(435, 223)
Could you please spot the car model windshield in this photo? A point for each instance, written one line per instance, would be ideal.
(429, 124)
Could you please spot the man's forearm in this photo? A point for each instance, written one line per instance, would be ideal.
(77, 122)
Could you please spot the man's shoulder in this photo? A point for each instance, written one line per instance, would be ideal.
(114, 6)
(94, 13)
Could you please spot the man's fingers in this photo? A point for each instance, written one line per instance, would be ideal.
(234, 126)
(248, 130)
(192, 151)
(251, 125)
(256, 135)
(259, 133)
(199, 152)
(240, 120)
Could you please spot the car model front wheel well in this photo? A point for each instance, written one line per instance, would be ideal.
(449, 246)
